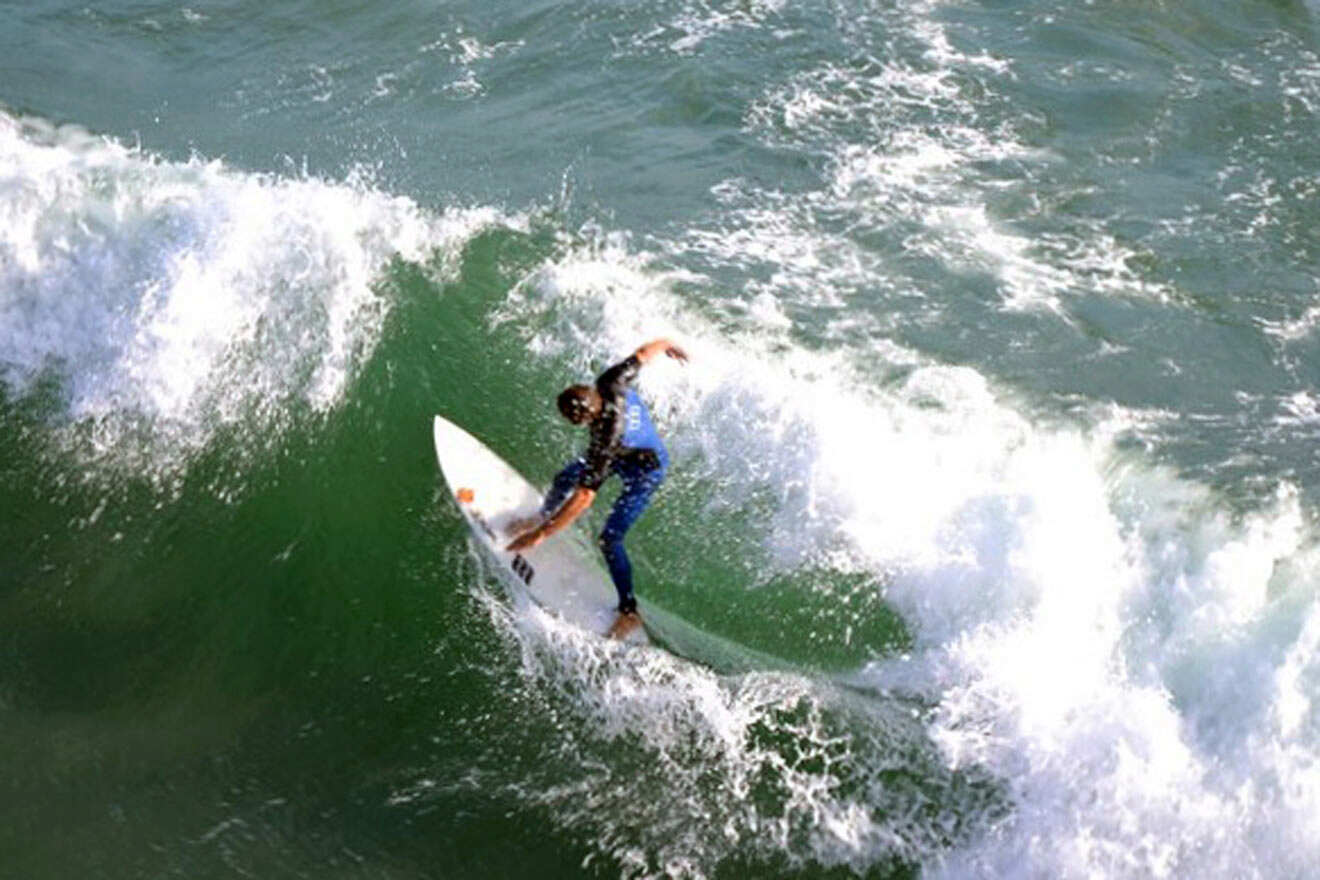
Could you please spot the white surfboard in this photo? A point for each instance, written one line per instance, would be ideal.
(564, 573)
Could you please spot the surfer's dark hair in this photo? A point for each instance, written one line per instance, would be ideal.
(579, 403)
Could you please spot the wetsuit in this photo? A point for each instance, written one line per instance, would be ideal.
(623, 442)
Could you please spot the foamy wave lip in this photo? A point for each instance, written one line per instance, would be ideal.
(1128, 705)
(1129, 660)
(175, 298)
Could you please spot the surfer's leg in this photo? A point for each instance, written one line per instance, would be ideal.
(638, 487)
(564, 483)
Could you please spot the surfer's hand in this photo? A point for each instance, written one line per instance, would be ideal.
(676, 353)
(520, 524)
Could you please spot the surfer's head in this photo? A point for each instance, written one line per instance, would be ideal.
(580, 403)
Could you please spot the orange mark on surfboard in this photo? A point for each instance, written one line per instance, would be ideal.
(466, 496)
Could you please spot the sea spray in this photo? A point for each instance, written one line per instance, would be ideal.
(1025, 559)
(671, 768)
(173, 301)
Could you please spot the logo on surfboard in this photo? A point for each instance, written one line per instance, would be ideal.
(522, 568)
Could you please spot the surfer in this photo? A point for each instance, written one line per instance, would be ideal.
(623, 442)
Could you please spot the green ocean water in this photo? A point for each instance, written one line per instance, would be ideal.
(989, 545)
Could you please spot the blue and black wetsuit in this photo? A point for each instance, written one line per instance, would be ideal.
(623, 442)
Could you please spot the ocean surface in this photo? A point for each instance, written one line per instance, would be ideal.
(989, 548)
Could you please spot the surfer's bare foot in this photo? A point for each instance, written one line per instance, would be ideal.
(624, 625)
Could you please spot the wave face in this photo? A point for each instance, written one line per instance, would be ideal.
(989, 546)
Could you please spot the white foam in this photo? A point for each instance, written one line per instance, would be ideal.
(1128, 659)
(1133, 664)
(1295, 329)
(709, 772)
(910, 155)
(1299, 408)
(466, 53)
(697, 22)
(173, 299)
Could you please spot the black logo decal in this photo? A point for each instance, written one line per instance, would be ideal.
(522, 568)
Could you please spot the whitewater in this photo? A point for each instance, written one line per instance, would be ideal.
(989, 548)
